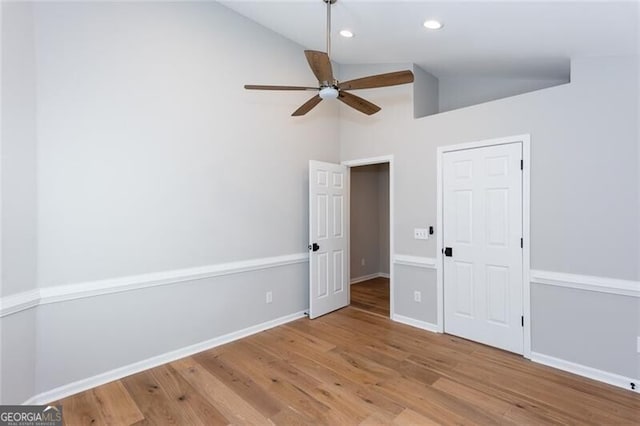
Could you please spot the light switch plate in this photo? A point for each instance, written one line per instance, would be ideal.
(421, 233)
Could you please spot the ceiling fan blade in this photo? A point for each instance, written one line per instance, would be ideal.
(307, 106)
(320, 65)
(358, 103)
(380, 80)
(261, 87)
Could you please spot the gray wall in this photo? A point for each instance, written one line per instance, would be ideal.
(433, 95)
(383, 218)
(426, 88)
(81, 338)
(407, 280)
(588, 328)
(18, 357)
(18, 199)
(584, 180)
(369, 220)
(463, 91)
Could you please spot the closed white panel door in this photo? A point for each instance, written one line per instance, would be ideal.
(482, 189)
(328, 205)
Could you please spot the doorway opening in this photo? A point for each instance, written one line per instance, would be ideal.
(370, 238)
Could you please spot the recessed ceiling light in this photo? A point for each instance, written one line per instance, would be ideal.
(346, 33)
(432, 24)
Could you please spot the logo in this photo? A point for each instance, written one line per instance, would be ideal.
(30, 415)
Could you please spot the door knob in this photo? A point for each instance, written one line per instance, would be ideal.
(314, 247)
(448, 251)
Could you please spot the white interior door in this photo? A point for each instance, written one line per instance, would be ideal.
(328, 210)
(482, 189)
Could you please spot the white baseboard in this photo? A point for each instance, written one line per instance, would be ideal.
(369, 277)
(127, 370)
(589, 372)
(416, 323)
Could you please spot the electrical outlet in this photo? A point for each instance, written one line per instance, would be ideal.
(363, 262)
(417, 296)
(269, 297)
(420, 234)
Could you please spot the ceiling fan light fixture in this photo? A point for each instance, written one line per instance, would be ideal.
(328, 93)
(330, 88)
(432, 24)
(346, 33)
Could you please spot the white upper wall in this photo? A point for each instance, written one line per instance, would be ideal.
(18, 138)
(148, 143)
(584, 156)
(151, 154)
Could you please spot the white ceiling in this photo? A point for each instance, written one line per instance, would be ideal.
(514, 39)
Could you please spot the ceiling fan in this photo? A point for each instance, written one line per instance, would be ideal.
(330, 88)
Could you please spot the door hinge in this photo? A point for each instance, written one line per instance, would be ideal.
(521, 242)
(521, 164)
(522, 320)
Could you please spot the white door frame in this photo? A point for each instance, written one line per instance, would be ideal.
(366, 162)
(525, 139)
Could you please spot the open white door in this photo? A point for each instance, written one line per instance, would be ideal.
(483, 262)
(328, 209)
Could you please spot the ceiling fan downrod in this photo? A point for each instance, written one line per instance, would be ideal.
(329, 3)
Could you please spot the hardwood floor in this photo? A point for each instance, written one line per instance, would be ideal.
(372, 296)
(352, 367)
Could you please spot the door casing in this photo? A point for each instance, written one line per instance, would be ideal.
(526, 290)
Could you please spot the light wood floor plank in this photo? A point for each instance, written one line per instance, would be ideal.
(163, 401)
(116, 405)
(408, 417)
(230, 404)
(372, 296)
(240, 383)
(81, 409)
(353, 367)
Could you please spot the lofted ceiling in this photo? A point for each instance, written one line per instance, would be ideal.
(506, 39)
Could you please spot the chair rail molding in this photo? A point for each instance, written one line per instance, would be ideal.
(417, 261)
(18, 302)
(587, 282)
(15, 303)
